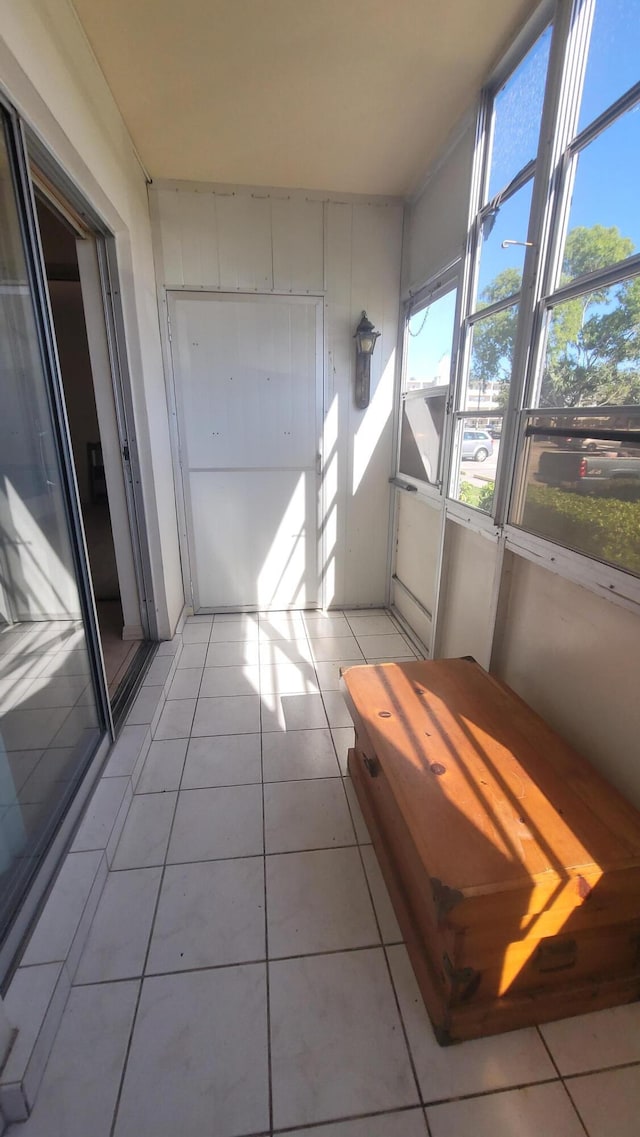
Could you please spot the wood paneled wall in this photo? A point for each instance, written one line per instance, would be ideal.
(349, 251)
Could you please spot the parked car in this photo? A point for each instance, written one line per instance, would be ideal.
(610, 476)
(591, 445)
(477, 445)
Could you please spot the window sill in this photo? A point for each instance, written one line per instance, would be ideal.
(612, 583)
(472, 518)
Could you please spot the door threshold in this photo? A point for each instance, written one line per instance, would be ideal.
(127, 690)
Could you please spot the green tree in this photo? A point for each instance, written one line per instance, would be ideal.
(493, 337)
(593, 344)
(593, 347)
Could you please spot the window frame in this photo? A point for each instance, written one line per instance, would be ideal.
(479, 207)
(565, 144)
(559, 147)
(552, 292)
(439, 285)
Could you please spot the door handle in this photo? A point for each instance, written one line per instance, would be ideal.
(403, 485)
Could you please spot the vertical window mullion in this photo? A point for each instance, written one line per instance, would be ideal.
(564, 113)
(480, 188)
(479, 176)
(565, 75)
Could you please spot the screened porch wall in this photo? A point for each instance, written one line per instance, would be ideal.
(239, 239)
(571, 654)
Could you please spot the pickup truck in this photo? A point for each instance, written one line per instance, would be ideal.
(592, 473)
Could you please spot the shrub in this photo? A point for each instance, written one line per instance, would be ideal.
(607, 528)
(481, 497)
(625, 489)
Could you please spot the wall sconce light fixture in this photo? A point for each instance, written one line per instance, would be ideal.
(365, 338)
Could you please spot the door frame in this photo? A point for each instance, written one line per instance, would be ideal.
(78, 211)
(19, 157)
(13, 936)
(183, 497)
(26, 148)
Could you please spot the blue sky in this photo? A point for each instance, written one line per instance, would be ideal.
(429, 341)
(608, 175)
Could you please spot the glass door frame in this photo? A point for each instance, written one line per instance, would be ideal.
(68, 193)
(69, 811)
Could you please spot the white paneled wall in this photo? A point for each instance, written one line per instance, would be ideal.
(234, 240)
(434, 236)
(575, 658)
(238, 239)
(362, 261)
(418, 528)
(468, 582)
(436, 222)
(297, 231)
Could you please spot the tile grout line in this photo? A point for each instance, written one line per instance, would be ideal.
(557, 1069)
(600, 1069)
(343, 778)
(261, 960)
(313, 664)
(515, 1088)
(574, 1107)
(390, 974)
(373, 907)
(344, 791)
(134, 1018)
(320, 692)
(262, 667)
(179, 790)
(426, 1120)
(266, 923)
(398, 630)
(182, 737)
(141, 979)
(382, 945)
(247, 856)
(328, 1122)
(231, 785)
(548, 1050)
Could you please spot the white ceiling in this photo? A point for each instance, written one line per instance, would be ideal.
(349, 95)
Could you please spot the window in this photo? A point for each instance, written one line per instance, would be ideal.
(429, 334)
(581, 485)
(497, 248)
(549, 356)
(612, 61)
(517, 110)
(578, 483)
(543, 415)
(604, 220)
(592, 352)
(504, 234)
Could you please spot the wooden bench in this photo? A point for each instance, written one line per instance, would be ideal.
(513, 866)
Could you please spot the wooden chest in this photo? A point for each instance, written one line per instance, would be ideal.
(513, 866)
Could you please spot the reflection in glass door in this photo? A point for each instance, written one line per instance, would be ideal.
(50, 706)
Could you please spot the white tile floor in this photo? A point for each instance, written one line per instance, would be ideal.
(244, 973)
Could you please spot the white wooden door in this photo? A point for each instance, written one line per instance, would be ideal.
(247, 372)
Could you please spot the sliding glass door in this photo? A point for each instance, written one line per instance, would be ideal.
(53, 710)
